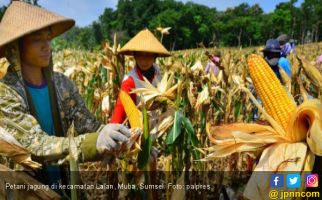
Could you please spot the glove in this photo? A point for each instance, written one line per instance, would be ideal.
(110, 137)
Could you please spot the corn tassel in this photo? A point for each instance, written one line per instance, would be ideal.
(131, 110)
(275, 99)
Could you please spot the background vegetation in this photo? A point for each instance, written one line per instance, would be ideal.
(191, 23)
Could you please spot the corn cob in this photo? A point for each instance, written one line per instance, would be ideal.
(274, 97)
(131, 110)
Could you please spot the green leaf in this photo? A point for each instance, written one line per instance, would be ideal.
(145, 124)
(192, 138)
(103, 75)
(238, 109)
(176, 129)
(203, 121)
(144, 155)
(190, 130)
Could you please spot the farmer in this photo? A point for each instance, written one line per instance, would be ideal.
(272, 55)
(145, 48)
(214, 65)
(286, 46)
(42, 104)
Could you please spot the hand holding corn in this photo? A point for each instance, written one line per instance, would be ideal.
(110, 137)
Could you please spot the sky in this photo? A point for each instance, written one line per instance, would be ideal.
(86, 11)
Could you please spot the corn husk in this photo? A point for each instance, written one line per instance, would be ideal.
(295, 66)
(306, 123)
(302, 89)
(132, 146)
(240, 137)
(312, 73)
(278, 157)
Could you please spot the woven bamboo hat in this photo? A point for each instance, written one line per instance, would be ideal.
(21, 19)
(144, 41)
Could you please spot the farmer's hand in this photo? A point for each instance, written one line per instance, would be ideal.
(110, 137)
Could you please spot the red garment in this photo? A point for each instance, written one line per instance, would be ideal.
(127, 86)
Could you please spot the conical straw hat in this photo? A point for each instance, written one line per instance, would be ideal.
(21, 19)
(144, 41)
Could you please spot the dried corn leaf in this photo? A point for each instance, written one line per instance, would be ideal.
(238, 80)
(163, 31)
(164, 89)
(197, 66)
(165, 82)
(135, 135)
(131, 147)
(106, 107)
(164, 122)
(192, 99)
(203, 96)
(70, 71)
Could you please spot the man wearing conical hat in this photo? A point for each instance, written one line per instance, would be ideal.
(145, 48)
(42, 104)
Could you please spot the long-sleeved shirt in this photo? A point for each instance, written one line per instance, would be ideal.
(17, 120)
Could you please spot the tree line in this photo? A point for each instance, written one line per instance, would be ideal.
(192, 23)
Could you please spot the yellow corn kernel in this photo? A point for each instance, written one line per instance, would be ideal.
(131, 110)
(273, 95)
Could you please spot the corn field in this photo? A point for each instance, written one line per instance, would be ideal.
(180, 114)
(189, 99)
